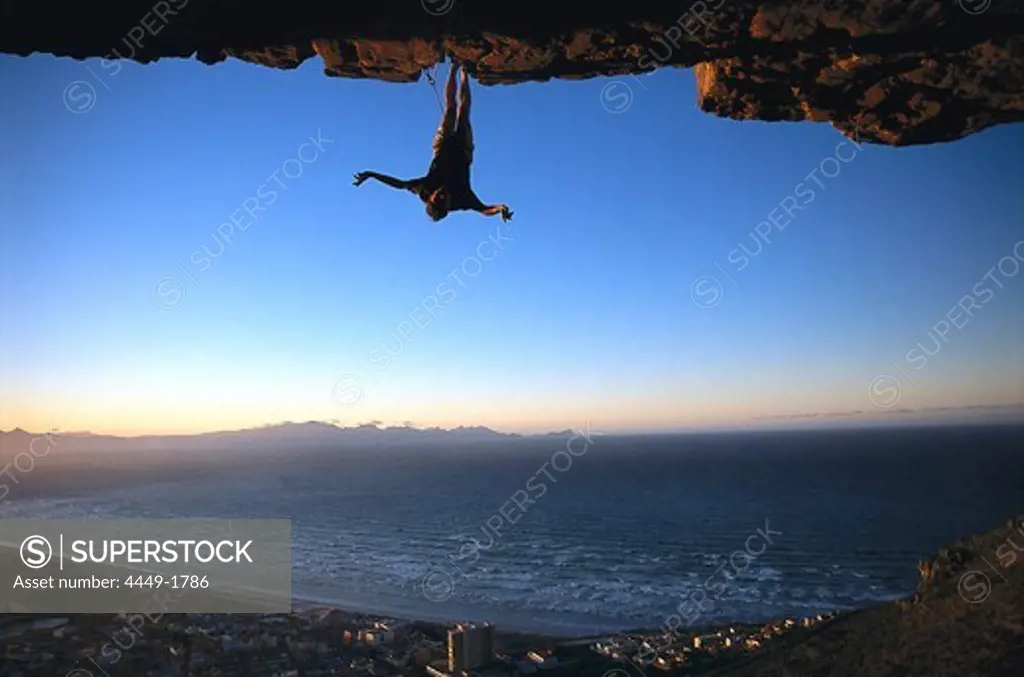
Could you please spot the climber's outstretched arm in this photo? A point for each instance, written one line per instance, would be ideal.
(387, 180)
(490, 210)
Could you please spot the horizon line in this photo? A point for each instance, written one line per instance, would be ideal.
(772, 422)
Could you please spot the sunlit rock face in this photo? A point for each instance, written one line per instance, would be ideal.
(897, 72)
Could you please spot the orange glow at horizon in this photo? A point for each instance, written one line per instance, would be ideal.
(152, 414)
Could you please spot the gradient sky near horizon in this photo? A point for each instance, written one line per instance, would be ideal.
(596, 308)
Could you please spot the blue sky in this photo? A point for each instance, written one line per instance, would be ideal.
(596, 307)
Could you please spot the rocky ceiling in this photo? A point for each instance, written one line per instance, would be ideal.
(897, 72)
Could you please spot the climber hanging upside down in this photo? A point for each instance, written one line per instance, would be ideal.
(446, 187)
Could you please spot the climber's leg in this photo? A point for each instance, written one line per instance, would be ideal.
(447, 127)
(465, 99)
(462, 124)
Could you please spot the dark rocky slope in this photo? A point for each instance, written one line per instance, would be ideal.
(965, 620)
(900, 71)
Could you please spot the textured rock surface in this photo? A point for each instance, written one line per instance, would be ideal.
(965, 619)
(896, 71)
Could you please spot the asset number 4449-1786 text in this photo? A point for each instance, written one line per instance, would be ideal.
(183, 581)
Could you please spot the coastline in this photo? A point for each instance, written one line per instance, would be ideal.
(923, 634)
(304, 605)
(506, 624)
(327, 638)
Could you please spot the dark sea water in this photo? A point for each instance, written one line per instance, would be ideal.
(634, 528)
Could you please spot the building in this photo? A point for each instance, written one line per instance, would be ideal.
(379, 636)
(543, 662)
(479, 645)
(469, 647)
(456, 650)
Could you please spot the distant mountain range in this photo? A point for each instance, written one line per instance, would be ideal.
(277, 436)
(969, 413)
(282, 436)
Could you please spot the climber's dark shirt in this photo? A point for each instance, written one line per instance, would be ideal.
(453, 155)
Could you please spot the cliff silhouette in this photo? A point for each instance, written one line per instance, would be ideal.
(896, 72)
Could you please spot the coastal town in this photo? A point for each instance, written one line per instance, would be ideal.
(319, 642)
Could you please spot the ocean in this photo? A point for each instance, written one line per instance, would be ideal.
(618, 534)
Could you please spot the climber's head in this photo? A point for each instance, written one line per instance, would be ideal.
(438, 204)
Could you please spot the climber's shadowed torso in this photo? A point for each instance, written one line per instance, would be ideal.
(449, 169)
